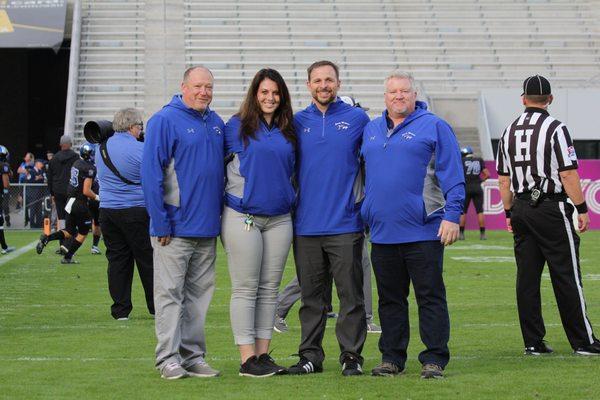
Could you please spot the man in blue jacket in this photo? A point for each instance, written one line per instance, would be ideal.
(413, 201)
(328, 228)
(123, 218)
(182, 179)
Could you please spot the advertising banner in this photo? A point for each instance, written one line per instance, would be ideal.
(32, 23)
(589, 171)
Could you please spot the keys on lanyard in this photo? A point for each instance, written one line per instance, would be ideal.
(248, 222)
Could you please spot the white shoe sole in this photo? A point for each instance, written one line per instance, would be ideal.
(193, 375)
(257, 376)
(170, 378)
(586, 353)
(279, 330)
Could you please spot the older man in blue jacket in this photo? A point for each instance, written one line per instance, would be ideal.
(413, 201)
(183, 179)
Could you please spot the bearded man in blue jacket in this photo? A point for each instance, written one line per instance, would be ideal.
(413, 201)
(183, 179)
(328, 229)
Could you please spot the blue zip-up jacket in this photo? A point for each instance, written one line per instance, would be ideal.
(329, 187)
(126, 153)
(183, 172)
(259, 177)
(414, 177)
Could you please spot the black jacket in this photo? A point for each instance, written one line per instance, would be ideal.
(59, 171)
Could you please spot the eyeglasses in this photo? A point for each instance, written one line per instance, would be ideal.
(140, 124)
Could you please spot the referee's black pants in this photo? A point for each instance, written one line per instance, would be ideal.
(318, 260)
(127, 239)
(395, 267)
(546, 234)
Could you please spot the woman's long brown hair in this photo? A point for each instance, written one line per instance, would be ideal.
(250, 111)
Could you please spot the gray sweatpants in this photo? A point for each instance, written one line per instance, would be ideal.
(291, 293)
(184, 282)
(256, 259)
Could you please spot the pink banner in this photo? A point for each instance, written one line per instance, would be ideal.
(589, 171)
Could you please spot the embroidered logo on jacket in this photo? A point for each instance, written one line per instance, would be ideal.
(191, 130)
(408, 135)
(342, 125)
(306, 130)
(217, 130)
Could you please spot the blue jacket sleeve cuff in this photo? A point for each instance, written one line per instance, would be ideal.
(455, 197)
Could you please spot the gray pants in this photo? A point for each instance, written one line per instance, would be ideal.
(256, 259)
(317, 258)
(184, 282)
(291, 293)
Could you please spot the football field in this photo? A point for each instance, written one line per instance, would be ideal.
(58, 340)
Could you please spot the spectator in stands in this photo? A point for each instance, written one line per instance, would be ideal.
(59, 173)
(22, 177)
(257, 225)
(28, 161)
(35, 194)
(123, 218)
(412, 205)
(183, 186)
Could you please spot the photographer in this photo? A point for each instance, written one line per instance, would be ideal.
(123, 217)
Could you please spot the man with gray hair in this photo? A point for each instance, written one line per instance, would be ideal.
(408, 234)
(124, 220)
(59, 173)
(183, 183)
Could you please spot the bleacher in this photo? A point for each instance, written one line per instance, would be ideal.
(111, 62)
(453, 48)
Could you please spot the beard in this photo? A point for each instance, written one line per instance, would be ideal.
(329, 100)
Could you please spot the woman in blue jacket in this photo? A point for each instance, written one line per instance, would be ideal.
(256, 223)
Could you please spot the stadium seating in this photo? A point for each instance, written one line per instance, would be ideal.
(111, 61)
(453, 48)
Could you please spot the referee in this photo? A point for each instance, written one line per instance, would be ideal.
(536, 160)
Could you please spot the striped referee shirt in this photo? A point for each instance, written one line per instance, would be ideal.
(533, 150)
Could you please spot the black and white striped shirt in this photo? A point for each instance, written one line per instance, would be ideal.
(533, 150)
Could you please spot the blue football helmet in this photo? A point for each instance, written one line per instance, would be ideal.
(87, 151)
(465, 151)
(4, 153)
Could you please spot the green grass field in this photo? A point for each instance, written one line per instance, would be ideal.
(58, 340)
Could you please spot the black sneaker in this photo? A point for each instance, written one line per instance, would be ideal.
(589, 350)
(267, 360)
(351, 366)
(255, 369)
(304, 366)
(41, 244)
(538, 350)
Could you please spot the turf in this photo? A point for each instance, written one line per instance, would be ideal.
(57, 339)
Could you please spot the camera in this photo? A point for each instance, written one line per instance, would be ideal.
(98, 131)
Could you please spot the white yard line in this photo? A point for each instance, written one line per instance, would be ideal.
(19, 252)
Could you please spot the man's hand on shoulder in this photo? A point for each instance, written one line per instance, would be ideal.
(448, 232)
